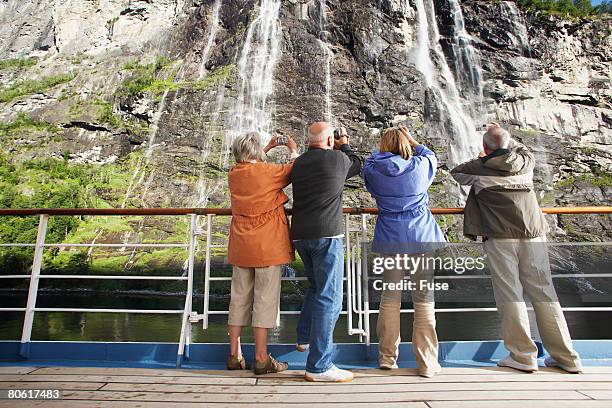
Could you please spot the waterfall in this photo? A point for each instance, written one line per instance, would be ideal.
(203, 187)
(329, 55)
(143, 163)
(519, 35)
(452, 123)
(214, 29)
(467, 62)
(252, 111)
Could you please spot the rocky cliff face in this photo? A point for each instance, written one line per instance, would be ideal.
(147, 92)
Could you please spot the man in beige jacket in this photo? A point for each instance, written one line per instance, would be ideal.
(502, 208)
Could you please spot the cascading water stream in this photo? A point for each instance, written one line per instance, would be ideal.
(139, 173)
(214, 29)
(467, 61)
(253, 110)
(519, 35)
(329, 55)
(203, 185)
(452, 123)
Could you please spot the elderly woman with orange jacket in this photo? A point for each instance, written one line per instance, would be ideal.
(259, 245)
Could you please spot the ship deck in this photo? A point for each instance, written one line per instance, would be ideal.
(455, 387)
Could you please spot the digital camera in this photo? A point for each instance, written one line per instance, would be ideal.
(281, 140)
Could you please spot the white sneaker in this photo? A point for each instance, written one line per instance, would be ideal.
(302, 347)
(429, 371)
(388, 366)
(551, 362)
(512, 363)
(334, 374)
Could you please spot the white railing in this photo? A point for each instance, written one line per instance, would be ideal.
(356, 276)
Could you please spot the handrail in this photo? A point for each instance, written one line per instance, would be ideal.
(228, 211)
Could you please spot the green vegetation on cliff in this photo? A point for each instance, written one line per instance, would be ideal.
(158, 77)
(17, 63)
(143, 78)
(32, 86)
(23, 122)
(563, 8)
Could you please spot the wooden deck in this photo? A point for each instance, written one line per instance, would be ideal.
(455, 387)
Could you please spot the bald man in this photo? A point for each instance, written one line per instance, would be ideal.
(503, 209)
(318, 178)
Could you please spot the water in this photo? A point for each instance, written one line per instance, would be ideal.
(329, 55)
(141, 168)
(214, 29)
(206, 187)
(448, 120)
(519, 35)
(166, 328)
(467, 62)
(253, 110)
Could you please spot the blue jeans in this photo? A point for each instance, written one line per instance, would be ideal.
(323, 260)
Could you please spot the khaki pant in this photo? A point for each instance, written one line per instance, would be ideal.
(256, 289)
(523, 265)
(424, 337)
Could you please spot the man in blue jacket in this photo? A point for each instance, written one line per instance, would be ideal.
(318, 178)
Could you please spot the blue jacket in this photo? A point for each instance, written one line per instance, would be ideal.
(400, 189)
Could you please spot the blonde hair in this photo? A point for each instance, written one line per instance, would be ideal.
(248, 147)
(395, 140)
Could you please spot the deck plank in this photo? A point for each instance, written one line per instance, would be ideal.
(130, 379)
(130, 404)
(520, 404)
(16, 369)
(141, 371)
(85, 386)
(349, 388)
(601, 394)
(320, 397)
(446, 379)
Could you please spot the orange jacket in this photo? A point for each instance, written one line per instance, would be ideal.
(259, 232)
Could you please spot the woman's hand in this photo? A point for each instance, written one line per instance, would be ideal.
(271, 144)
(291, 145)
(411, 140)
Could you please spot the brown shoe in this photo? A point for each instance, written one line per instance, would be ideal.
(236, 363)
(269, 366)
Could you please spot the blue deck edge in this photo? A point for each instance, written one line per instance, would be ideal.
(213, 355)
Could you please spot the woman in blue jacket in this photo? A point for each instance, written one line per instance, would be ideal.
(399, 180)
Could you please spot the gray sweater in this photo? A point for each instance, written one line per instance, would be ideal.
(318, 178)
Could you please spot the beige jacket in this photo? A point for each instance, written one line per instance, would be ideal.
(502, 202)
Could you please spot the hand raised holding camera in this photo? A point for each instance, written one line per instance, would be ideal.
(340, 138)
(411, 140)
(291, 145)
(272, 143)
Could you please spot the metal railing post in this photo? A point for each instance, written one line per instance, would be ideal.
(364, 269)
(28, 319)
(359, 283)
(186, 324)
(207, 271)
(347, 259)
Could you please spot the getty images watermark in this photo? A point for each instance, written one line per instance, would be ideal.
(417, 271)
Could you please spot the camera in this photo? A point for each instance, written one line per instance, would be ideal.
(336, 134)
(281, 140)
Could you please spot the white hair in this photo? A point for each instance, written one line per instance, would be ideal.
(497, 138)
(321, 136)
(248, 147)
